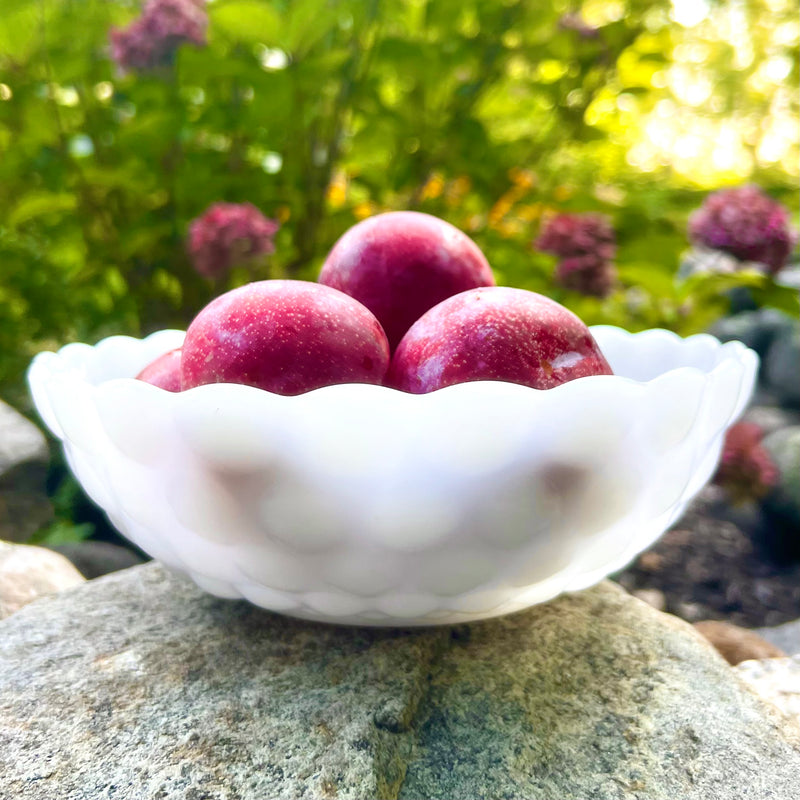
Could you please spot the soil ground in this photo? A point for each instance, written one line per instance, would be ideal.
(708, 567)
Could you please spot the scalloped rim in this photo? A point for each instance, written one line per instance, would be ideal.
(73, 363)
(72, 360)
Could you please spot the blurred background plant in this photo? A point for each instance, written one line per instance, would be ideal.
(746, 470)
(122, 123)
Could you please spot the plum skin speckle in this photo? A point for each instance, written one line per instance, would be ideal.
(284, 336)
(495, 333)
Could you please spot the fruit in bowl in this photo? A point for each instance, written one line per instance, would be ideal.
(402, 263)
(287, 475)
(286, 337)
(499, 334)
(164, 372)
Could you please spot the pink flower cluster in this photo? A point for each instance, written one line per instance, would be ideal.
(586, 245)
(746, 470)
(227, 234)
(746, 223)
(152, 39)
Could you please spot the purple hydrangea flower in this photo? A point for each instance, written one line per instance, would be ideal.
(587, 274)
(152, 39)
(747, 224)
(586, 245)
(227, 234)
(746, 470)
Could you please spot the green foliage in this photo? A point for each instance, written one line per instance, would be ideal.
(62, 531)
(67, 499)
(320, 112)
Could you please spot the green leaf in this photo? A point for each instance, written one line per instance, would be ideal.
(784, 298)
(403, 52)
(646, 276)
(328, 62)
(712, 284)
(62, 532)
(169, 285)
(246, 21)
(37, 204)
(22, 24)
(309, 21)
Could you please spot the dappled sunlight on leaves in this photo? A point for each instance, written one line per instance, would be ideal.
(491, 115)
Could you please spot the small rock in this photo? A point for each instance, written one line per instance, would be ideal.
(709, 499)
(781, 507)
(776, 680)
(756, 329)
(781, 367)
(771, 418)
(691, 612)
(27, 573)
(24, 458)
(736, 644)
(626, 581)
(94, 558)
(21, 442)
(653, 597)
(651, 561)
(786, 636)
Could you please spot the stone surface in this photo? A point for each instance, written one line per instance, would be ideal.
(736, 644)
(781, 368)
(138, 686)
(771, 418)
(24, 456)
(653, 597)
(21, 442)
(94, 558)
(757, 329)
(777, 680)
(781, 506)
(28, 573)
(786, 636)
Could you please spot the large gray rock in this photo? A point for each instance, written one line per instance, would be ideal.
(781, 369)
(24, 456)
(21, 442)
(28, 573)
(777, 680)
(786, 636)
(757, 329)
(139, 686)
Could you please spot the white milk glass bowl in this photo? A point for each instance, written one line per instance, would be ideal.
(364, 505)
